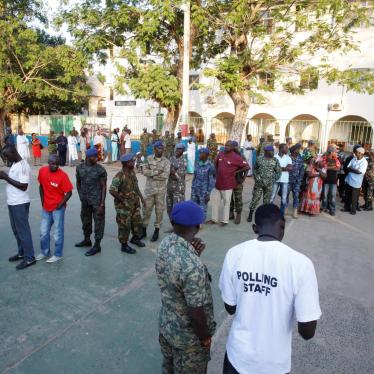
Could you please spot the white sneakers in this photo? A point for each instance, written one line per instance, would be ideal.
(50, 260)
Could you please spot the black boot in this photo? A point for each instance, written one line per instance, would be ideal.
(250, 216)
(231, 216)
(155, 235)
(127, 249)
(95, 249)
(86, 242)
(135, 240)
(144, 233)
(369, 207)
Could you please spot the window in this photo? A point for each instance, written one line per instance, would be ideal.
(101, 108)
(125, 103)
(194, 82)
(266, 81)
(309, 80)
(111, 94)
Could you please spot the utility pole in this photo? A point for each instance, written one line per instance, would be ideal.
(186, 61)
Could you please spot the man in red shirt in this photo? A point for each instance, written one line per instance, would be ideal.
(228, 165)
(55, 190)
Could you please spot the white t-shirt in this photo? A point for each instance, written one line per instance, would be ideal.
(284, 161)
(127, 141)
(20, 172)
(271, 286)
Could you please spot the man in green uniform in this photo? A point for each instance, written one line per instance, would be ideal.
(169, 145)
(127, 197)
(176, 187)
(368, 184)
(144, 142)
(91, 185)
(52, 143)
(212, 145)
(157, 171)
(186, 319)
(154, 136)
(266, 172)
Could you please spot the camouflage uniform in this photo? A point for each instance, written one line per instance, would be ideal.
(203, 182)
(144, 143)
(237, 199)
(184, 282)
(176, 187)
(368, 183)
(212, 145)
(169, 143)
(157, 171)
(154, 137)
(266, 172)
(89, 179)
(52, 148)
(128, 216)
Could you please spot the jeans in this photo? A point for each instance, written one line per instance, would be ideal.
(56, 217)
(294, 187)
(329, 197)
(284, 191)
(19, 221)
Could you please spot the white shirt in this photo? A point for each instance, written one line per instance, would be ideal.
(20, 172)
(23, 146)
(72, 141)
(127, 141)
(271, 286)
(284, 161)
(355, 180)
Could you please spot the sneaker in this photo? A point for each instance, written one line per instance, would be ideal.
(54, 259)
(25, 264)
(40, 257)
(15, 258)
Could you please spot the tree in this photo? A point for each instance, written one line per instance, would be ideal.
(38, 73)
(257, 39)
(149, 38)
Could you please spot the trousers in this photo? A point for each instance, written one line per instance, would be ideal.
(130, 221)
(221, 200)
(351, 198)
(89, 212)
(156, 200)
(368, 190)
(237, 199)
(329, 197)
(173, 198)
(198, 197)
(258, 190)
(294, 187)
(284, 192)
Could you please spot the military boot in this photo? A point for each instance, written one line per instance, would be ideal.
(86, 242)
(231, 215)
(95, 249)
(369, 207)
(155, 235)
(238, 218)
(250, 216)
(127, 249)
(144, 233)
(135, 240)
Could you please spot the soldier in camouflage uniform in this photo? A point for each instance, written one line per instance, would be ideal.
(266, 172)
(368, 184)
(127, 197)
(186, 319)
(176, 187)
(157, 171)
(52, 143)
(204, 180)
(144, 142)
(91, 185)
(154, 137)
(212, 145)
(169, 143)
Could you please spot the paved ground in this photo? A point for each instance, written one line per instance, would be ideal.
(99, 314)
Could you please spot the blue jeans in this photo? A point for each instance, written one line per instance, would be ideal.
(19, 221)
(284, 191)
(329, 197)
(56, 217)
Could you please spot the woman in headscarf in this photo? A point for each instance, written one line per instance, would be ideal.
(315, 174)
(191, 153)
(115, 141)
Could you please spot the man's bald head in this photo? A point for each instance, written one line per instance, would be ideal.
(53, 163)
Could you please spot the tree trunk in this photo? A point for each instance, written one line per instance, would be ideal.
(241, 103)
(171, 120)
(2, 123)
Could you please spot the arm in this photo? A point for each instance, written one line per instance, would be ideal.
(199, 323)
(14, 183)
(41, 193)
(287, 168)
(64, 200)
(307, 329)
(230, 309)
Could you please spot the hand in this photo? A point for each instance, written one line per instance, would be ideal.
(207, 342)
(101, 210)
(199, 245)
(59, 206)
(172, 171)
(3, 174)
(207, 199)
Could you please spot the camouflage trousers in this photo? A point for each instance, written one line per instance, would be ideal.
(173, 198)
(258, 190)
(368, 190)
(237, 199)
(128, 221)
(89, 212)
(191, 360)
(199, 198)
(143, 149)
(156, 200)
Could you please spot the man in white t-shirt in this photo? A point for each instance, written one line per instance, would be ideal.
(128, 141)
(267, 286)
(285, 162)
(18, 201)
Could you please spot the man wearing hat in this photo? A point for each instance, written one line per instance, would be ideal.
(169, 144)
(91, 185)
(144, 141)
(204, 180)
(186, 319)
(157, 171)
(266, 172)
(356, 171)
(176, 186)
(127, 197)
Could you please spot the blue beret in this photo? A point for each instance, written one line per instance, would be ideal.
(91, 152)
(127, 157)
(158, 144)
(269, 148)
(187, 213)
(180, 146)
(204, 150)
(234, 143)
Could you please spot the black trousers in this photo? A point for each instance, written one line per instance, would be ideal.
(62, 157)
(341, 185)
(89, 212)
(351, 198)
